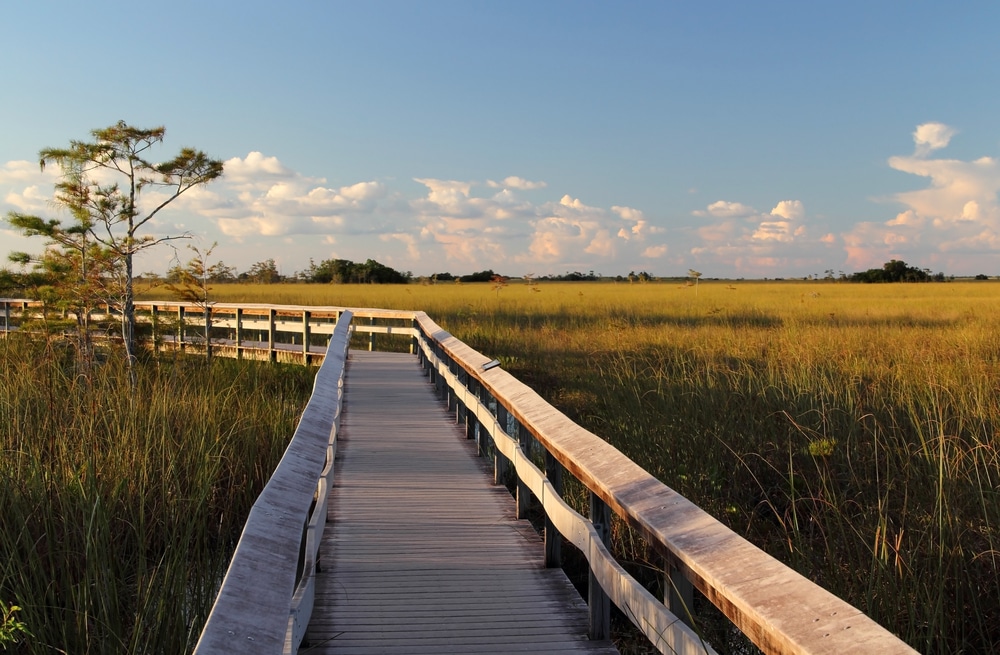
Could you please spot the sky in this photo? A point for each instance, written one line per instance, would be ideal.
(738, 139)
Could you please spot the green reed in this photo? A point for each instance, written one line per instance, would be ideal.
(121, 507)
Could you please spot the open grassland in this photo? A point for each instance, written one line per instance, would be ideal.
(119, 511)
(849, 430)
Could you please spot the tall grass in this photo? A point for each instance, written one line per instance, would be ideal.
(121, 509)
(849, 430)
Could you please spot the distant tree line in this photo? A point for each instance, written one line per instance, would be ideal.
(897, 271)
(344, 271)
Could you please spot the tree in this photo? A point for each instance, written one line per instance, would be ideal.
(265, 272)
(102, 184)
(73, 274)
(191, 285)
(696, 275)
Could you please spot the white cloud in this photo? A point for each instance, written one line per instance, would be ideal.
(953, 184)
(780, 231)
(790, 209)
(255, 168)
(21, 171)
(724, 209)
(929, 137)
(958, 214)
(514, 182)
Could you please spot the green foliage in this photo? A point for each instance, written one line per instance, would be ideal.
(481, 276)
(265, 272)
(11, 629)
(101, 186)
(896, 271)
(344, 271)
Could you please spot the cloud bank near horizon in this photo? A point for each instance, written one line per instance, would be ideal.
(261, 208)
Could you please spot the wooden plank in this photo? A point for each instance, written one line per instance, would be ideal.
(422, 554)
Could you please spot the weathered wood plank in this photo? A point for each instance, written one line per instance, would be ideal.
(421, 553)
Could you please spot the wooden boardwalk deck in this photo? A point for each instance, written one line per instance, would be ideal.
(422, 554)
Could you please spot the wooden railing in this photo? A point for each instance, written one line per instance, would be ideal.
(277, 333)
(266, 598)
(776, 608)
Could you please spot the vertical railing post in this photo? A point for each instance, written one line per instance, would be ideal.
(306, 334)
(522, 494)
(180, 327)
(239, 333)
(154, 323)
(452, 396)
(271, 328)
(678, 593)
(6, 316)
(413, 340)
(598, 601)
(371, 335)
(501, 466)
(461, 412)
(553, 540)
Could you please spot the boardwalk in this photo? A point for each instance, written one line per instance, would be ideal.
(421, 553)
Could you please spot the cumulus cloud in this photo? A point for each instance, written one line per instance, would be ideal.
(724, 209)
(514, 182)
(790, 209)
(957, 214)
(255, 169)
(929, 137)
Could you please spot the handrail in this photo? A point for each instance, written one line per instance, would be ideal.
(778, 609)
(266, 597)
(277, 327)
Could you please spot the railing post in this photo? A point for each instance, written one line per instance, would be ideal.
(271, 320)
(305, 336)
(239, 333)
(371, 335)
(500, 464)
(553, 540)
(678, 593)
(450, 392)
(461, 412)
(180, 328)
(598, 601)
(522, 494)
(153, 322)
(471, 424)
(414, 346)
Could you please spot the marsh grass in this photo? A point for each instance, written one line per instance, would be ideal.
(121, 510)
(849, 430)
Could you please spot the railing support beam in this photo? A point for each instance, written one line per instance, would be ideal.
(597, 600)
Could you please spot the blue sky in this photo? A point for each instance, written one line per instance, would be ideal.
(764, 139)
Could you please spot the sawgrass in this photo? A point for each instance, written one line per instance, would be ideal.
(120, 510)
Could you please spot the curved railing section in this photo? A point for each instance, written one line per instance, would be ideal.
(266, 598)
